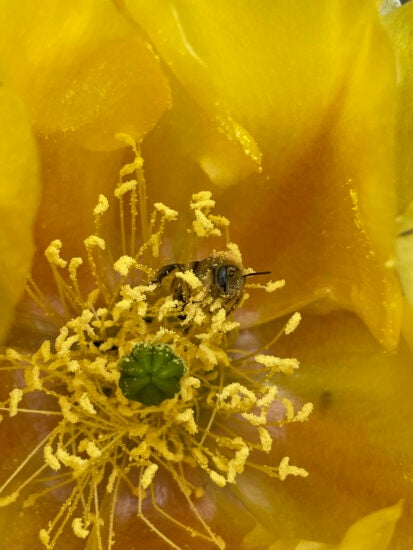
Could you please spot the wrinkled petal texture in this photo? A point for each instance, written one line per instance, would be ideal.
(304, 94)
(82, 70)
(19, 196)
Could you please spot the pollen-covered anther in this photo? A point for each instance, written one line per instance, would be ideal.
(64, 342)
(272, 286)
(9, 499)
(76, 463)
(270, 393)
(82, 322)
(207, 355)
(43, 353)
(93, 241)
(66, 408)
(265, 439)
(148, 475)
(205, 223)
(292, 416)
(111, 480)
(220, 323)
(277, 364)
(217, 478)
(86, 404)
(236, 397)
(74, 265)
(202, 201)
(15, 396)
(292, 323)
(286, 469)
(125, 187)
(13, 356)
(303, 414)
(237, 465)
(168, 214)
(189, 387)
(102, 205)
(50, 458)
(32, 378)
(90, 448)
(52, 254)
(204, 226)
(186, 418)
(78, 529)
(124, 264)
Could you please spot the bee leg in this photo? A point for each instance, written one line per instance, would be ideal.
(166, 270)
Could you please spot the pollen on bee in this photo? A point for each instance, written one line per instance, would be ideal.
(191, 279)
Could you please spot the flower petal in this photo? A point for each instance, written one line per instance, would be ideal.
(373, 532)
(399, 23)
(356, 446)
(314, 87)
(404, 251)
(19, 193)
(82, 70)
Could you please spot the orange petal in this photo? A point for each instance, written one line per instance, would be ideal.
(357, 445)
(19, 195)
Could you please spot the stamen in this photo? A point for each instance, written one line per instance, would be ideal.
(42, 411)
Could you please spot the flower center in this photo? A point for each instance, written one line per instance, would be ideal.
(142, 369)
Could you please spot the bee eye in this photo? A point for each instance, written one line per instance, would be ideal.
(150, 374)
(231, 270)
(222, 278)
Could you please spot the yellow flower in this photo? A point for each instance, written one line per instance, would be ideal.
(287, 111)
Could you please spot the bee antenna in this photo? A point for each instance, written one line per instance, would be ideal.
(257, 273)
(405, 233)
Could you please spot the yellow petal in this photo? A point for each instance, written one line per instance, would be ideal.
(82, 70)
(399, 23)
(407, 326)
(404, 251)
(19, 194)
(314, 87)
(372, 532)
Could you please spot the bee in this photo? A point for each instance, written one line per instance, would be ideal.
(221, 277)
